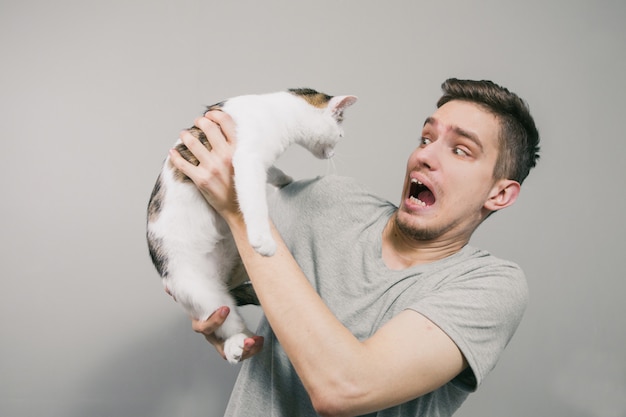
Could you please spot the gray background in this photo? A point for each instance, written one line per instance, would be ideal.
(92, 94)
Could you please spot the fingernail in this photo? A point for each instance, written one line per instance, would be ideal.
(224, 311)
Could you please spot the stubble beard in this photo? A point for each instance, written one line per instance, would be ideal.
(414, 232)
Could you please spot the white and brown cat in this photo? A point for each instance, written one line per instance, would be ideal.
(190, 244)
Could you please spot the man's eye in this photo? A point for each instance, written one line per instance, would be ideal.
(460, 152)
(424, 141)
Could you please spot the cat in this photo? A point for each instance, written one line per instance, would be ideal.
(190, 244)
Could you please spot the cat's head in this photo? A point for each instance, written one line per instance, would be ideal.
(327, 130)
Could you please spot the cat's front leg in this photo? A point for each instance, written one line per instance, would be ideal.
(250, 180)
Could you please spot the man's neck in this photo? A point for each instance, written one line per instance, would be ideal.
(400, 251)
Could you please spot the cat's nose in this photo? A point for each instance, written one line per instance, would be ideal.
(329, 153)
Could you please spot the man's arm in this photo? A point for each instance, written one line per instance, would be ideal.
(408, 357)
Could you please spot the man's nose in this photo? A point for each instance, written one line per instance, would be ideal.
(429, 155)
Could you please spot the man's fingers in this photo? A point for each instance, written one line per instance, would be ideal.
(195, 146)
(202, 154)
(213, 133)
(181, 163)
(252, 346)
(211, 324)
(225, 123)
(208, 327)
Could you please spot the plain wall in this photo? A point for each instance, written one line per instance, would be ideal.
(92, 95)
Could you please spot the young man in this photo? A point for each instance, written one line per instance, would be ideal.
(372, 308)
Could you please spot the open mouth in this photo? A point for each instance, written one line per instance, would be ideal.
(421, 194)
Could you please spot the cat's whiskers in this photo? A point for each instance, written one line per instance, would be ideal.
(337, 160)
(331, 167)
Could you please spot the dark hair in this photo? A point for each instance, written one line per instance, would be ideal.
(519, 138)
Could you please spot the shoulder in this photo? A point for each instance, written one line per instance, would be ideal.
(325, 203)
(325, 191)
(322, 184)
(492, 281)
(484, 269)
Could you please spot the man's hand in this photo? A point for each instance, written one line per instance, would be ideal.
(252, 345)
(214, 173)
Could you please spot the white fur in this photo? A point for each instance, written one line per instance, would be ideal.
(200, 250)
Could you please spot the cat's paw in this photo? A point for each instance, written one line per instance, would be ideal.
(282, 181)
(278, 178)
(264, 245)
(233, 347)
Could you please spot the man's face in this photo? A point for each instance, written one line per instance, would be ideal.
(449, 180)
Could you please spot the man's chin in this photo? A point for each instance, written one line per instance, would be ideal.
(407, 225)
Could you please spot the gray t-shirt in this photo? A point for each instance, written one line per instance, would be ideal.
(334, 228)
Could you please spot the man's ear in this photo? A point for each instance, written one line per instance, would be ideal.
(503, 194)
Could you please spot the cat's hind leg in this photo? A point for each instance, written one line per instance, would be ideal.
(233, 347)
(201, 301)
(201, 293)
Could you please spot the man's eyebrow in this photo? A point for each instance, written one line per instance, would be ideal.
(459, 131)
(430, 121)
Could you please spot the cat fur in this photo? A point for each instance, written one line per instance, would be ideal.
(191, 245)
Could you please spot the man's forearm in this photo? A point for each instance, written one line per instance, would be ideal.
(320, 348)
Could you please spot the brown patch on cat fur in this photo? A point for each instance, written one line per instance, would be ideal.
(156, 200)
(158, 255)
(186, 153)
(313, 97)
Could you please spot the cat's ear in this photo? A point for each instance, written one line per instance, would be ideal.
(338, 104)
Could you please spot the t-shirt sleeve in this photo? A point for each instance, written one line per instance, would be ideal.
(480, 312)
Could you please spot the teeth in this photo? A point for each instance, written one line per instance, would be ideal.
(417, 201)
(414, 199)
